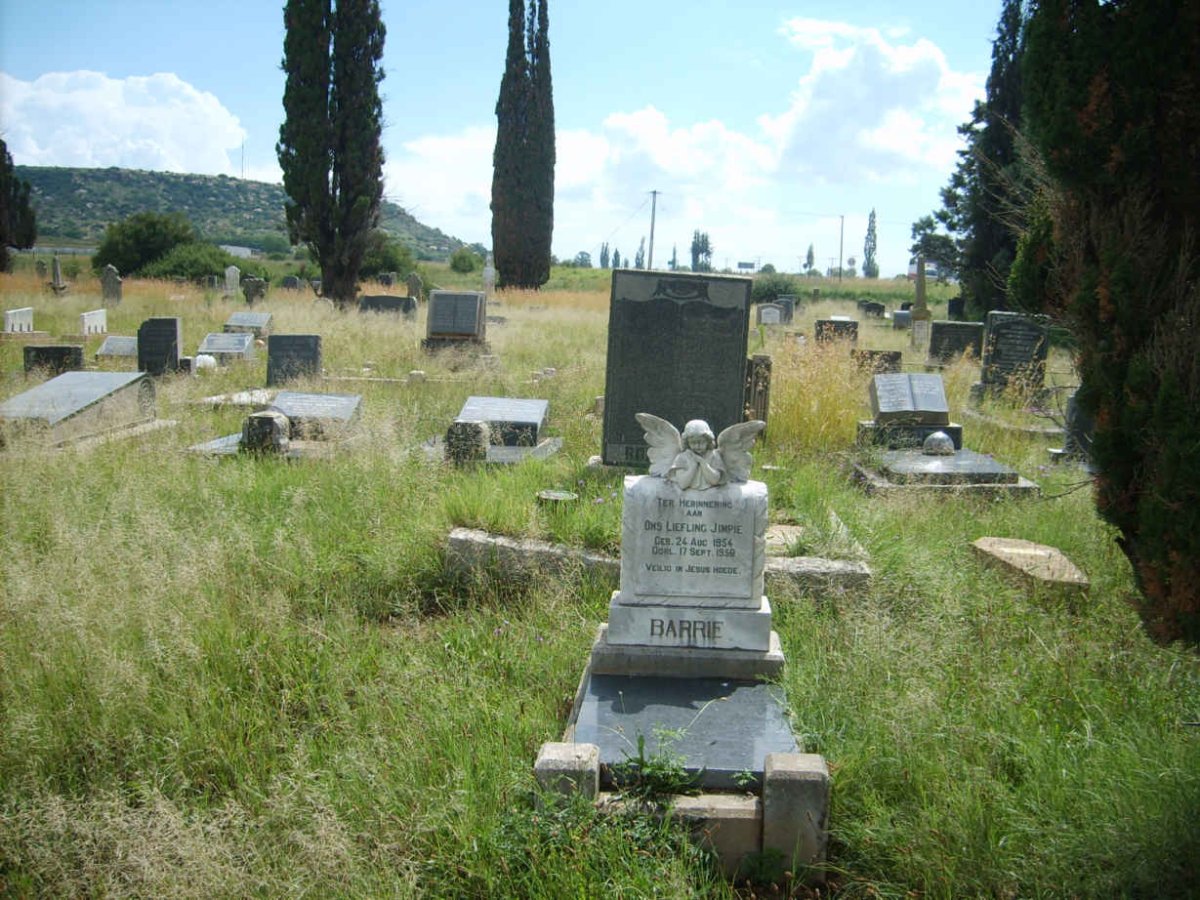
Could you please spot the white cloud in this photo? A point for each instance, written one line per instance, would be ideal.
(87, 119)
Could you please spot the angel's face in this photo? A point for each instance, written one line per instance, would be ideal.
(699, 442)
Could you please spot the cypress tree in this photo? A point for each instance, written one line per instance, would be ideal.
(870, 267)
(524, 157)
(329, 144)
(18, 224)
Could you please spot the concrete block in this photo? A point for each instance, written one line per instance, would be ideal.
(796, 788)
(728, 824)
(568, 768)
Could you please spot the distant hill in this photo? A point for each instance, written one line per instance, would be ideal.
(77, 204)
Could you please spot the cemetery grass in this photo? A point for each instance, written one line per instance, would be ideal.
(256, 677)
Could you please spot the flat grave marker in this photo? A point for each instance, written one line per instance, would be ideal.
(256, 323)
(228, 346)
(74, 405)
(512, 422)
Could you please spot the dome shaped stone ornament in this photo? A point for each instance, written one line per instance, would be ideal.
(938, 444)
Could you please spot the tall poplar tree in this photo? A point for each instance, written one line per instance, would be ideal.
(329, 144)
(523, 161)
(870, 267)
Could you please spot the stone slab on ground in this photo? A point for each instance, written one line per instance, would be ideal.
(964, 467)
(75, 405)
(876, 482)
(1038, 565)
(720, 729)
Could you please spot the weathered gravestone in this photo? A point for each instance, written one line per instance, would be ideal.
(118, 346)
(879, 362)
(836, 328)
(956, 308)
(455, 317)
(906, 409)
(788, 302)
(40, 267)
(256, 323)
(296, 424)
(76, 405)
(512, 422)
(110, 285)
(318, 416)
(489, 276)
(872, 308)
(467, 442)
(290, 283)
(159, 343)
(233, 276)
(57, 284)
(18, 321)
(385, 303)
(679, 667)
(93, 322)
(416, 288)
(53, 359)
(291, 356)
(770, 314)
(757, 404)
(228, 346)
(677, 349)
(254, 289)
(1014, 349)
(950, 340)
(385, 279)
(901, 319)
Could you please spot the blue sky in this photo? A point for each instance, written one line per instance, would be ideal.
(761, 123)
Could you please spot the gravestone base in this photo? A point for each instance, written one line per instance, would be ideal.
(965, 472)
(610, 658)
(896, 436)
(24, 336)
(473, 345)
(498, 454)
(707, 629)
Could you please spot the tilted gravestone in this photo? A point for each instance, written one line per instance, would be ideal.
(456, 317)
(110, 285)
(836, 328)
(386, 303)
(291, 356)
(512, 422)
(228, 346)
(950, 340)
(116, 345)
(1015, 347)
(76, 405)
(57, 284)
(159, 343)
(53, 358)
(256, 323)
(677, 349)
(94, 322)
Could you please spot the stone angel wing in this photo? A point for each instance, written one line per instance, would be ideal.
(734, 445)
(663, 438)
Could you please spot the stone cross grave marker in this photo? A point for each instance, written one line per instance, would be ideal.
(110, 285)
(292, 356)
(676, 348)
(159, 342)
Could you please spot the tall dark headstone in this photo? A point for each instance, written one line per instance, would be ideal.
(291, 356)
(949, 340)
(677, 349)
(456, 317)
(1015, 348)
(159, 343)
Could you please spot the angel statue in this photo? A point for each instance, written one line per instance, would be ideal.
(694, 460)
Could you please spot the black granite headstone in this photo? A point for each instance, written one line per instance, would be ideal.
(836, 330)
(291, 356)
(1015, 347)
(949, 340)
(54, 359)
(160, 341)
(385, 303)
(956, 307)
(677, 349)
(456, 315)
(512, 422)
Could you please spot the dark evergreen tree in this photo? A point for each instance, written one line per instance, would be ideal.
(18, 223)
(639, 258)
(809, 259)
(329, 144)
(523, 161)
(870, 267)
(1113, 111)
(604, 256)
(674, 264)
(616, 259)
(701, 252)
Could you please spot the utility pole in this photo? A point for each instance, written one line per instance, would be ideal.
(653, 205)
(841, 236)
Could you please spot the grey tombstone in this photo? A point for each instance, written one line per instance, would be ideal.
(788, 302)
(901, 319)
(315, 284)
(950, 340)
(292, 356)
(386, 303)
(318, 416)
(290, 283)
(76, 405)
(53, 359)
(254, 289)
(227, 347)
(18, 321)
(118, 346)
(160, 341)
(677, 349)
(456, 317)
(233, 277)
(836, 328)
(961, 468)
(40, 267)
(416, 289)
(512, 422)
(93, 322)
(1015, 347)
(255, 323)
(110, 285)
(770, 314)
(57, 284)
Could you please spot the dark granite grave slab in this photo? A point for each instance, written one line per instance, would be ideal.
(899, 436)
(53, 358)
(909, 399)
(116, 345)
(78, 404)
(513, 422)
(677, 349)
(964, 467)
(880, 362)
(316, 415)
(291, 356)
(228, 346)
(160, 342)
(456, 314)
(949, 340)
(718, 727)
(1015, 346)
(256, 323)
(836, 329)
(386, 303)
(902, 319)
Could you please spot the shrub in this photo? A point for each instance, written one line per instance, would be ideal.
(464, 261)
(385, 254)
(770, 285)
(141, 239)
